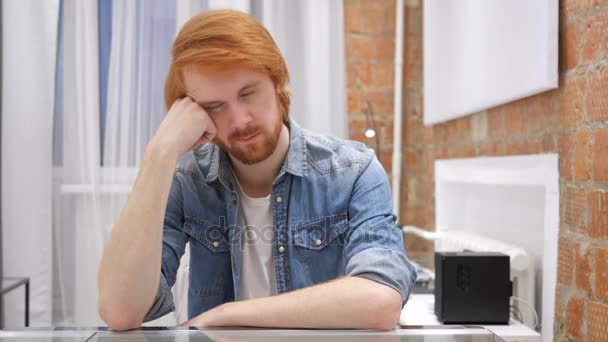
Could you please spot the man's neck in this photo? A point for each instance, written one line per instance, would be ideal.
(256, 179)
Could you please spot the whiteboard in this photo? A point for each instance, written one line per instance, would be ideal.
(482, 53)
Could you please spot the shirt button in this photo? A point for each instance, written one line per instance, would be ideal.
(318, 242)
(279, 199)
(233, 202)
(281, 249)
(216, 244)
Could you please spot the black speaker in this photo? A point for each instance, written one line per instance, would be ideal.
(472, 288)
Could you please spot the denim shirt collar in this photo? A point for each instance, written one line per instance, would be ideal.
(220, 165)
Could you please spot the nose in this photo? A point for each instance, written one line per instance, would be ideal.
(239, 116)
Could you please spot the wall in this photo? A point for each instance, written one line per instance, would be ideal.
(571, 121)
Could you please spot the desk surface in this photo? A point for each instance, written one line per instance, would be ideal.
(178, 334)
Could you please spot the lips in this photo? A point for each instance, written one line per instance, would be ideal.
(249, 137)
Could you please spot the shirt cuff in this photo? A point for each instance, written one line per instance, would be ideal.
(385, 266)
(163, 301)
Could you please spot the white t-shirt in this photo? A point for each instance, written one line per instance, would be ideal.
(257, 277)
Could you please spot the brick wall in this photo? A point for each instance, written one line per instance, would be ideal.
(571, 121)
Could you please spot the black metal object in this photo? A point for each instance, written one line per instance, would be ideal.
(18, 282)
(472, 287)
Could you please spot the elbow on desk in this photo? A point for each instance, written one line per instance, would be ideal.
(384, 314)
(118, 317)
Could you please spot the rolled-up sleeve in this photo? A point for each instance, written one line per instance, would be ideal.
(174, 242)
(374, 244)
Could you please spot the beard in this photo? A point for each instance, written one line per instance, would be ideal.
(257, 151)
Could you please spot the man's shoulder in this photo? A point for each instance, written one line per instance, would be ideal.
(326, 153)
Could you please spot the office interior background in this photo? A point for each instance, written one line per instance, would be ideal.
(489, 118)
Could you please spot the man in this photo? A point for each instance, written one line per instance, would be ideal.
(287, 228)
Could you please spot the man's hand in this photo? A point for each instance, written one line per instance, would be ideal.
(211, 318)
(185, 127)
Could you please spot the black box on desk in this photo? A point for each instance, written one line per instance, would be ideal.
(472, 287)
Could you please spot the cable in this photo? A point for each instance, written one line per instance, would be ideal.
(531, 309)
(517, 314)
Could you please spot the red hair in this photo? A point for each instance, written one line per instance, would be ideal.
(221, 39)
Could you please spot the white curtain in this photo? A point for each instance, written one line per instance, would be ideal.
(79, 218)
(29, 32)
(98, 169)
(310, 34)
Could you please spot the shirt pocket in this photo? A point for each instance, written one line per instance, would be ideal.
(320, 245)
(209, 257)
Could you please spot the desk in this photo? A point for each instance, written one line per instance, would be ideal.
(178, 334)
(420, 310)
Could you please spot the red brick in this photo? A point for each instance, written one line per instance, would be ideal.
(559, 306)
(529, 146)
(383, 48)
(565, 158)
(569, 46)
(458, 129)
(574, 317)
(428, 135)
(597, 321)
(601, 273)
(353, 99)
(385, 134)
(565, 260)
(582, 155)
(356, 130)
(575, 206)
(549, 143)
(461, 151)
(597, 98)
(413, 160)
(413, 132)
(600, 153)
(428, 190)
(381, 102)
(515, 117)
(572, 8)
(538, 111)
(496, 122)
(439, 133)
(582, 268)
(375, 19)
(598, 213)
(570, 101)
(358, 75)
(596, 31)
(378, 3)
(412, 73)
(413, 21)
(384, 75)
(352, 18)
(359, 48)
(386, 159)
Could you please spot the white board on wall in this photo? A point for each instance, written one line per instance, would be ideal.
(479, 54)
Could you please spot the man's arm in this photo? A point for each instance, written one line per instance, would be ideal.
(129, 271)
(349, 302)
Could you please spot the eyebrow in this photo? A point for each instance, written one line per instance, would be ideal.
(214, 103)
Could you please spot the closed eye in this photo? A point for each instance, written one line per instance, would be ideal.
(213, 108)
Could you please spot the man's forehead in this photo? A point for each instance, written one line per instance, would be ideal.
(214, 81)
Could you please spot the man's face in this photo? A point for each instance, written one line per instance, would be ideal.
(243, 105)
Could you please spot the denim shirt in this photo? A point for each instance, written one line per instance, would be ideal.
(332, 215)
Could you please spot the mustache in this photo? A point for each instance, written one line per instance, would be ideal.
(244, 133)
